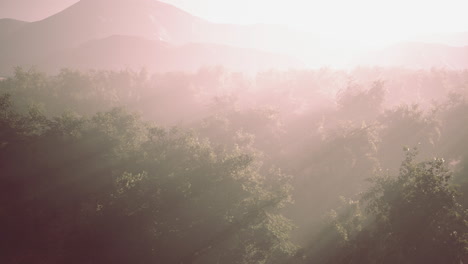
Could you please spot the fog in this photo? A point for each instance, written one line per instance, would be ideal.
(131, 137)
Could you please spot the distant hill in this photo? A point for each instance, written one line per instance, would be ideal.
(420, 55)
(10, 25)
(87, 28)
(32, 10)
(118, 52)
(93, 21)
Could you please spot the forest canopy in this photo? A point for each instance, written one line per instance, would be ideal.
(317, 166)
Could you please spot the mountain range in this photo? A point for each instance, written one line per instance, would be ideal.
(420, 55)
(113, 34)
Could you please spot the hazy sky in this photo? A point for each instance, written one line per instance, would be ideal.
(394, 18)
(31, 10)
(390, 18)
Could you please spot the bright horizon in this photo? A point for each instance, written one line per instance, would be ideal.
(357, 20)
(370, 21)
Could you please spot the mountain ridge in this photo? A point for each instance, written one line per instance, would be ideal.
(117, 52)
(420, 55)
(35, 43)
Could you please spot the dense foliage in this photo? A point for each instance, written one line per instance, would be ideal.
(111, 189)
(221, 167)
(412, 218)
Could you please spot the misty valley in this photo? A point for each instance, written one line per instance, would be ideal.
(133, 132)
(222, 167)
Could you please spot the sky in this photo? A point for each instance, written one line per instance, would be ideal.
(32, 10)
(351, 18)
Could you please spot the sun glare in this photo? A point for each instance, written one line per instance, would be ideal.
(371, 22)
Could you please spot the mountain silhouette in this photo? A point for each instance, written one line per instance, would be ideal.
(119, 52)
(420, 55)
(121, 32)
(8, 25)
(147, 20)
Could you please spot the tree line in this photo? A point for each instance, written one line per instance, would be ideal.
(217, 167)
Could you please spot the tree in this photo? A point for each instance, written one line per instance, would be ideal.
(112, 189)
(412, 218)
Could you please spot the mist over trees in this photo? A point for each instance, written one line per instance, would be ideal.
(302, 166)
